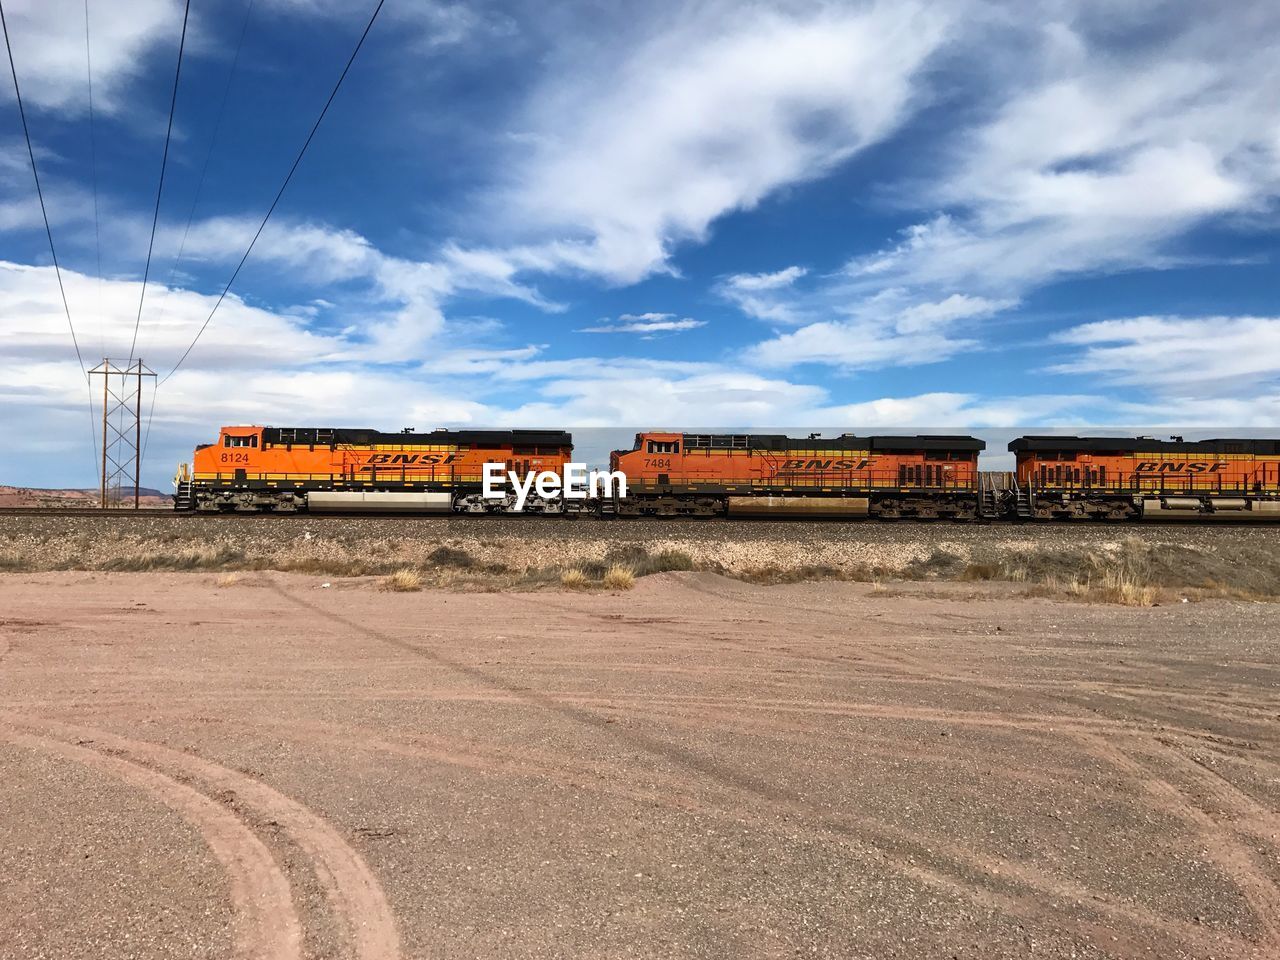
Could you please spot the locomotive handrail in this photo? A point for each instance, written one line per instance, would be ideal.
(1138, 483)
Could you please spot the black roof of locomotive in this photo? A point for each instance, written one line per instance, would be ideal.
(471, 438)
(847, 441)
(928, 441)
(1146, 445)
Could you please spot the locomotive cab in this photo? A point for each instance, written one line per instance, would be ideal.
(237, 450)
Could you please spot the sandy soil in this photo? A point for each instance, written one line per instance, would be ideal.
(696, 768)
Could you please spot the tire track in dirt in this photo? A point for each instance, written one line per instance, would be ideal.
(1249, 815)
(931, 861)
(901, 849)
(1049, 724)
(697, 634)
(267, 925)
(1235, 859)
(487, 759)
(352, 890)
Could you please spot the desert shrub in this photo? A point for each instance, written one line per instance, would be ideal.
(939, 565)
(405, 580)
(642, 563)
(450, 557)
(666, 561)
(981, 571)
(574, 579)
(619, 577)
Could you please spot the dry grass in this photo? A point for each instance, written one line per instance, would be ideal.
(405, 580)
(145, 558)
(1131, 573)
(574, 579)
(1119, 587)
(642, 563)
(228, 580)
(807, 573)
(619, 577)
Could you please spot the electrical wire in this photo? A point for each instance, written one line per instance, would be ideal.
(97, 234)
(195, 200)
(93, 175)
(155, 219)
(44, 213)
(204, 170)
(57, 269)
(279, 194)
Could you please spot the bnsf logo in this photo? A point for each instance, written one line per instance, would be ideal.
(408, 459)
(861, 464)
(1184, 466)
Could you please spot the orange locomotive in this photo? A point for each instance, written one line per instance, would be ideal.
(693, 474)
(284, 470)
(1126, 478)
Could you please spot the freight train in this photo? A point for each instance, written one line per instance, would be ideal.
(318, 470)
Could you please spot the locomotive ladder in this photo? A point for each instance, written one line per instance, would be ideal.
(989, 498)
(185, 497)
(1023, 505)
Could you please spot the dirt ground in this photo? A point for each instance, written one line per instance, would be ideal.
(699, 767)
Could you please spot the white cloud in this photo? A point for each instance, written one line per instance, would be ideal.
(1210, 356)
(921, 317)
(242, 337)
(754, 282)
(403, 309)
(430, 24)
(1113, 142)
(968, 410)
(884, 330)
(710, 398)
(763, 295)
(646, 323)
(854, 347)
(643, 147)
(49, 49)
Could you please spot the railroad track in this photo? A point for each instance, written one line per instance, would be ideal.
(163, 513)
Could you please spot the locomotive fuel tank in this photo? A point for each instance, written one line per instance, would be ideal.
(782, 506)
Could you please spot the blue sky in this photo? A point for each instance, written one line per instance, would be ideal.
(857, 216)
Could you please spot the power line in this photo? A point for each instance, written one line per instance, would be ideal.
(173, 103)
(195, 200)
(44, 213)
(279, 193)
(97, 235)
(17, 93)
(93, 168)
(204, 170)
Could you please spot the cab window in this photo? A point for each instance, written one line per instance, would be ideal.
(230, 441)
(664, 446)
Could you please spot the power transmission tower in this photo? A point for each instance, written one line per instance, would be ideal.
(121, 428)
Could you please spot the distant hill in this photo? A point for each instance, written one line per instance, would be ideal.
(67, 497)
